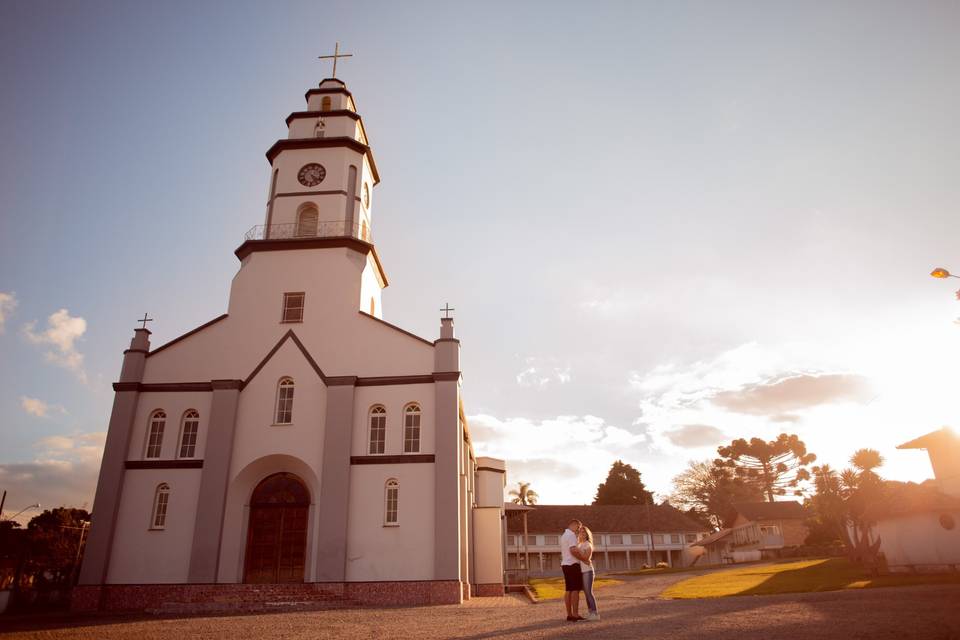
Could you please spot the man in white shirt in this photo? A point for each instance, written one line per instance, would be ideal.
(572, 576)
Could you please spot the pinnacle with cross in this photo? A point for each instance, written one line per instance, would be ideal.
(144, 320)
(447, 309)
(336, 54)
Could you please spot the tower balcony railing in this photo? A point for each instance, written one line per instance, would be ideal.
(310, 229)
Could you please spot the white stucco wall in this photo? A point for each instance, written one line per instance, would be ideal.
(919, 539)
(141, 555)
(370, 289)
(393, 398)
(378, 552)
(334, 126)
(487, 546)
(175, 405)
(331, 279)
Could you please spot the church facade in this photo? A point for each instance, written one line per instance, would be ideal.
(299, 438)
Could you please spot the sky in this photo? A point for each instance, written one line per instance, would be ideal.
(662, 225)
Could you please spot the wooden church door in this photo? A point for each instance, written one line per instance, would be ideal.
(277, 531)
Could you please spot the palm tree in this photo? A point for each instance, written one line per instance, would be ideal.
(523, 494)
(866, 460)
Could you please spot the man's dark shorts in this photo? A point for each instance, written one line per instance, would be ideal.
(572, 577)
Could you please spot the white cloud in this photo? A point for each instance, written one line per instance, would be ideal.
(8, 303)
(564, 458)
(542, 372)
(62, 331)
(39, 408)
(64, 473)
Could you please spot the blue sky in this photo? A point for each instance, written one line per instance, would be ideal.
(662, 225)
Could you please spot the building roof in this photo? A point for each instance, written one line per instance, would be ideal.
(904, 498)
(934, 438)
(713, 537)
(784, 510)
(553, 518)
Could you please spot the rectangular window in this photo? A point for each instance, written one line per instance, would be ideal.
(674, 538)
(658, 538)
(293, 307)
(551, 540)
(411, 430)
(531, 541)
(615, 538)
(155, 440)
(160, 509)
(691, 537)
(511, 541)
(378, 432)
(638, 538)
(393, 495)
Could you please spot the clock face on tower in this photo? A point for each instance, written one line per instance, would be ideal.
(311, 174)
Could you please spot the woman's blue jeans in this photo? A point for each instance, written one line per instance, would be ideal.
(588, 591)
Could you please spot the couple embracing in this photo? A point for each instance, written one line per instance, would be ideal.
(576, 550)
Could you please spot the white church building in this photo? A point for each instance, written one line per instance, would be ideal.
(299, 439)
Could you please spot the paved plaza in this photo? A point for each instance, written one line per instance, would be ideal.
(631, 610)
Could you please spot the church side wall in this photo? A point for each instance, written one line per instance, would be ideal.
(393, 398)
(144, 555)
(919, 540)
(376, 552)
(370, 289)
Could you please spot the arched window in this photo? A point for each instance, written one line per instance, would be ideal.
(155, 434)
(161, 498)
(391, 503)
(378, 430)
(373, 306)
(364, 231)
(284, 413)
(188, 434)
(325, 103)
(411, 428)
(307, 222)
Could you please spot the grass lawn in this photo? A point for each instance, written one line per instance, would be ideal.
(552, 588)
(656, 572)
(797, 576)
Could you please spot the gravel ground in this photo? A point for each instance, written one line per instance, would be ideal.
(631, 610)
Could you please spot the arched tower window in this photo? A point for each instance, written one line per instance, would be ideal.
(391, 503)
(188, 434)
(378, 430)
(161, 498)
(325, 103)
(158, 421)
(307, 221)
(411, 428)
(284, 413)
(373, 306)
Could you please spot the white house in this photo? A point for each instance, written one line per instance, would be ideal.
(298, 438)
(918, 525)
(625, 536)
(761, 530)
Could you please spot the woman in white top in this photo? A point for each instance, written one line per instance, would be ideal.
(585, 547)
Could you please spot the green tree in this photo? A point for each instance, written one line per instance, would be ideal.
(622, 486)
(775, 466)
(523, 494)
(710, 490)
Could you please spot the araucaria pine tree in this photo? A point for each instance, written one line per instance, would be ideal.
(776, 467)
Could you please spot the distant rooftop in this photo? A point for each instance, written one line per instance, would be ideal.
(553, 518)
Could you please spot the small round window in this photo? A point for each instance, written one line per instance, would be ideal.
(947, 521)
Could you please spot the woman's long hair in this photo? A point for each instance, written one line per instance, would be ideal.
(587, 533)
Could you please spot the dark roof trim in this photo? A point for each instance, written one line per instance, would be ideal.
(186, 335)
(318, 114)
(401, 459)
(164, 464)
(378, 381)
(319, 91)
(289, 335)
(495, 470)
(164, 386)
(320, 143)
(250, 246)
(395, 327)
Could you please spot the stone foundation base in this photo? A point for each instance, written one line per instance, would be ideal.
(488, 590)
(245, 597)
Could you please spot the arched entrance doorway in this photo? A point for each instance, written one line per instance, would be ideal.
(277, 532)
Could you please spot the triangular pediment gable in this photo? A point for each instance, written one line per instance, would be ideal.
(289, 335)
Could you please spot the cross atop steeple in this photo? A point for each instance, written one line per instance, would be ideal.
(144, 320)
(336, 54)
(447, 309)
